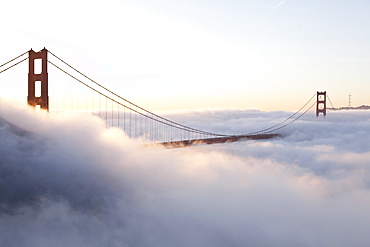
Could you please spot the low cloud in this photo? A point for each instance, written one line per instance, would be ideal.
(66, 180)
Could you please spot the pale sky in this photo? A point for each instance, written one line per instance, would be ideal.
(169, 55)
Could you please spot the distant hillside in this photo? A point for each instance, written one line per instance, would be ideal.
(363, 107)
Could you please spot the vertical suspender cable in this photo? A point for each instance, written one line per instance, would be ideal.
(106, 112)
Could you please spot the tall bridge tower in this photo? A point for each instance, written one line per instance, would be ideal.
(321, 103)
(38, 83)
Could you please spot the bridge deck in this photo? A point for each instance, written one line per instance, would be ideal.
(234, 138)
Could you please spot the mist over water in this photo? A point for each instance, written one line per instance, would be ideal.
(66, 180)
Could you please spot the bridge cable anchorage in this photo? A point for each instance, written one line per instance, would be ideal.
(174, 124)
(273, 128)
(13, 65)
(330, 102)
(142, 114)
(14, 59)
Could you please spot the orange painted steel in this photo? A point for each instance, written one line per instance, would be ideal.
(321, 103)
(43, 99)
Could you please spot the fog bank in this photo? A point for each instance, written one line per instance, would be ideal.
(66, 180)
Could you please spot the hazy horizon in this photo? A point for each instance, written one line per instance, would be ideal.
(168, 55)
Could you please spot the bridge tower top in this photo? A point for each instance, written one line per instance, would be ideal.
(38, 82)
(321, 103)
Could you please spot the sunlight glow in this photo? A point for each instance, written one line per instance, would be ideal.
(266, 55)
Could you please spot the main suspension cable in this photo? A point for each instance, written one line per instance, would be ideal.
(331, 103)
(293, 119)
(13, 59)
(171, 123)
(13, 65)
(272, 127)
(142, 114)
(151, 113)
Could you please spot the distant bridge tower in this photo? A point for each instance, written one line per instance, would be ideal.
(349, 100)
(321, 103)
(38, 83)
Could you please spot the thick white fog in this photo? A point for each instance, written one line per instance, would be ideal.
(66, 180)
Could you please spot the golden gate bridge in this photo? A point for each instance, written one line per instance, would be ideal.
(61, 87)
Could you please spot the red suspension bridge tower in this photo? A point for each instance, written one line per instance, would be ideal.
(38, 83)
(321, 103)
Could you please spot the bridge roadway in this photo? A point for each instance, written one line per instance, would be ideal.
(215, 140)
